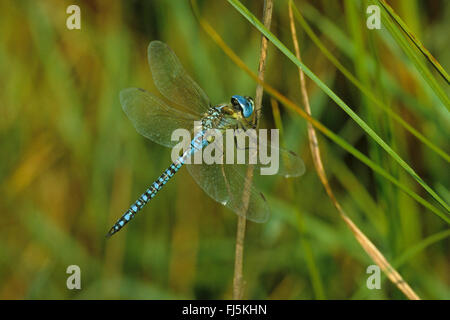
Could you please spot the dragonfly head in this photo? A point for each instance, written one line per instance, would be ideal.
(244, 104)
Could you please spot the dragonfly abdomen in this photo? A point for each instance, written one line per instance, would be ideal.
(196, 144)
(149, 194)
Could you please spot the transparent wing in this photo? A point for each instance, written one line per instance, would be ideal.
(228, 186)
(269, 159)
(152, 117)
(210, 179)
(289, 165)
(227, 183)
(172, 80)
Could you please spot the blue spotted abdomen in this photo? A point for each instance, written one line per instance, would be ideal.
(196, 144)
(149, 194)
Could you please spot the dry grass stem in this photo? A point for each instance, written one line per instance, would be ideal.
(238, 283)
(367, 245)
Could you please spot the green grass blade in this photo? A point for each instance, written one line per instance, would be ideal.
(415, 40)
(408, 49)
(272, 38)
(333, 33)
(363, 88)
(421, 246)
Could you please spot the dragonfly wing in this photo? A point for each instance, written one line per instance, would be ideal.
(290, 165)
(284, 162)
(244, 199)
(210, 179)
(153, 118)
(227, 185)
(172, 80)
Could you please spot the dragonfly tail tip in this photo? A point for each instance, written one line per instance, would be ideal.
(109, 234)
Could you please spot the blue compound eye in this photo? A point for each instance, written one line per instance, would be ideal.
(250, 107)
(245, 104)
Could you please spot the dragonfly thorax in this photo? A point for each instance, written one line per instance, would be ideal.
(212, 118)
(233, 115)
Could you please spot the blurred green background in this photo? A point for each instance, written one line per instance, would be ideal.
(71, 161)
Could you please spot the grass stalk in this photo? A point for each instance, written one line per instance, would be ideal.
(238, 282)
(367, 245)
(415, 40)
(409, 49)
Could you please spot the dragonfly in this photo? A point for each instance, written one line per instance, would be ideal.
(187, 102)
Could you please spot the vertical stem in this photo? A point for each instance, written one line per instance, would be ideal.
(240, 233)
(238, 260)
(367, 245)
